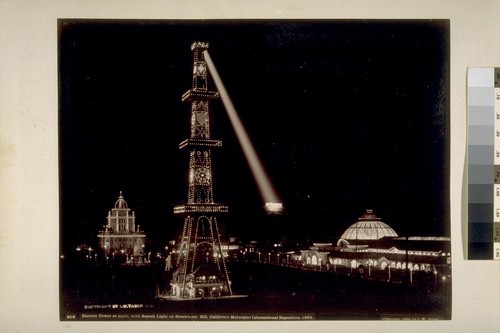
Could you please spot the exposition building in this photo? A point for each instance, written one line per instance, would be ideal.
(371, 247)
(121, 236)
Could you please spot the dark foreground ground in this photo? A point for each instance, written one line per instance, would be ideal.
(100, 292)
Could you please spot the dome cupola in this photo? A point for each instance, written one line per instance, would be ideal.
(121, 203)
(368, 227)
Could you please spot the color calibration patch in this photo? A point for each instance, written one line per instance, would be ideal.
(483, 162)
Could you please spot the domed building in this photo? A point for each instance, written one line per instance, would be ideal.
(368, 227)
(371, 248)
(121, 236)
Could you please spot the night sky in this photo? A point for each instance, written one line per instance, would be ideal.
(345, 115)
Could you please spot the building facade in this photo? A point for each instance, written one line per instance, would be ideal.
(371, 248)
(121, 235)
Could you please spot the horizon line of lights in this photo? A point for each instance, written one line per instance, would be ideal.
(201, 208)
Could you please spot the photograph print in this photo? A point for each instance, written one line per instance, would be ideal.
(236, 170)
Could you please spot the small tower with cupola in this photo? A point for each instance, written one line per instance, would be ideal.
(121, 236)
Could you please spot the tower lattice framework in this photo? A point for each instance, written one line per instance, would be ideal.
(200, 243)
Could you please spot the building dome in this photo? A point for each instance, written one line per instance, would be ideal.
(121, 203)
(368, 227)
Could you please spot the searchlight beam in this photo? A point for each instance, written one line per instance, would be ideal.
(272, 203)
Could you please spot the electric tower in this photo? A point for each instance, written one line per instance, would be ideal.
(201, 270)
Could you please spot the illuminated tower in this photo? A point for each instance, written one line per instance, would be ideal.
(201, 270)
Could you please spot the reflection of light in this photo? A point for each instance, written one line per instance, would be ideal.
(266, 190)
(274, 207)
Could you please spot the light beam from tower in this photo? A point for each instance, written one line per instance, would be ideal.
(269, 196)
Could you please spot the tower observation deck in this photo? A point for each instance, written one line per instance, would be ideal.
(201, 268)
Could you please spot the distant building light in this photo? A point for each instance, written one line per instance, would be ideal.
(274, 207)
